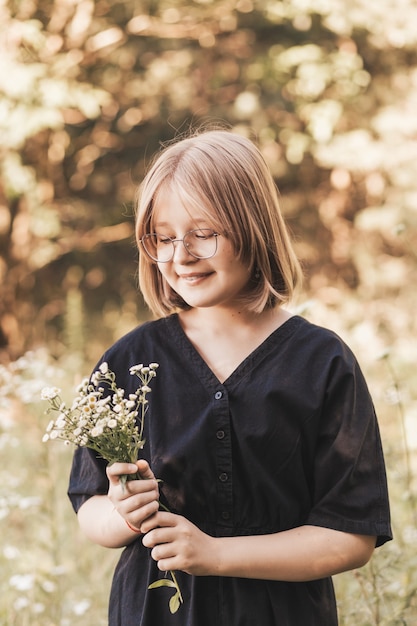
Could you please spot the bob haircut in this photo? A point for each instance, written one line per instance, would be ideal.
(226, 177)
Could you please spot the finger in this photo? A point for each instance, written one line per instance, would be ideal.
(159, 520)
(137, 516)
(116, 470)
(136, 508)
(157, 536)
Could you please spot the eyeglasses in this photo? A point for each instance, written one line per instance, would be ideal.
(201, 243)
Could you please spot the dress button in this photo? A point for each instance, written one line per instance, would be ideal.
(223, 477)
(218, 395)
(225, 514)
(220, 434)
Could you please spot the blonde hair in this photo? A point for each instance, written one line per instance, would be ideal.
(226, 176)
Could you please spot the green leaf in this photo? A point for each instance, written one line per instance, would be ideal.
(164, 582)
(174, 603)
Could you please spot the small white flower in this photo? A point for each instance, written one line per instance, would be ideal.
(61, 422)
(53, 434)
(29, 502)
(11, 552)
(154, 366)
(22, 582)
(81, 607)
(96, 431)
(20, 603)
(49, 586)
(145, 389)
(50, 393)
(112, 423)
(104, 368)
(95, 379)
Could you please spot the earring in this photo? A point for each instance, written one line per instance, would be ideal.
(257, 273)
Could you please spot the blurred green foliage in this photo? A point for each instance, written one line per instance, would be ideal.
(89, 90)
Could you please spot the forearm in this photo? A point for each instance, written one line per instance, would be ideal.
(301, 554)
(102, 524)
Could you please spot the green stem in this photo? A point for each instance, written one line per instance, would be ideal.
(177, 587)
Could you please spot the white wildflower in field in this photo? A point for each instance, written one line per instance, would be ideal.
(49, 586)
(11, 552)
(21, 603)
(81, 607)
(22, 582)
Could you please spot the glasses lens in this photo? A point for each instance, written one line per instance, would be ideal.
(158, 247)
(201, 243)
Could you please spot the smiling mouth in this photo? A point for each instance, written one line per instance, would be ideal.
(192, 278)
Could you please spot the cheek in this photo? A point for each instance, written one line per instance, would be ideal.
(163, 273)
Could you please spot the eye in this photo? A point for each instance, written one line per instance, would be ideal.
(204, 234)
(162, 239)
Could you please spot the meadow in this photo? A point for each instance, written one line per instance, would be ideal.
(50, 575)
(329, 90)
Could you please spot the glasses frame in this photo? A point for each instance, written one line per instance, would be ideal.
(213, 233)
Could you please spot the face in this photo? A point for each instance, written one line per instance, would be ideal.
(202, 283)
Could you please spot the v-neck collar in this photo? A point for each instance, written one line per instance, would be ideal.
(203, 370)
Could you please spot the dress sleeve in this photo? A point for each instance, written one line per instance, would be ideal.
(87, 478)
(350, 485)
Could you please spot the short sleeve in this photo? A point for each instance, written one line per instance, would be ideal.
(87, 478)
(350, 485)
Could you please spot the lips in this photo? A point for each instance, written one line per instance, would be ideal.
(190, 278)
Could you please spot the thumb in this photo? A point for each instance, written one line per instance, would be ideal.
(145, 470)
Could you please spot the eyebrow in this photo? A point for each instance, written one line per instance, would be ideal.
(198, 224)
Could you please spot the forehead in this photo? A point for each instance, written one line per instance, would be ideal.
(170, 207)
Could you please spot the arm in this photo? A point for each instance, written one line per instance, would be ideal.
(103, 518)
(300, 554)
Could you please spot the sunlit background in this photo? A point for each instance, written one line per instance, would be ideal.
(88, 92)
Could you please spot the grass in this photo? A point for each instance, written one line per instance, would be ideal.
(52, 576)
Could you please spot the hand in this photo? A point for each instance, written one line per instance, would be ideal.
(177, 544)
(136, 500)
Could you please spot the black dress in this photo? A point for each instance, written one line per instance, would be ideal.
(290, 438)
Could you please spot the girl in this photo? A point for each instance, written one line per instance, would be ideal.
(260, 424)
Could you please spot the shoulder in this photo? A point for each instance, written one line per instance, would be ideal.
(144, 344)
(320, 349)
(315, 337)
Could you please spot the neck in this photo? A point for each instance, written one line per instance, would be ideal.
(230, 320)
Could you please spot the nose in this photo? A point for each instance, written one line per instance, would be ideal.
(181, 252)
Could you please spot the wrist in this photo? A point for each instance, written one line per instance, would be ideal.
(132, 528)
(216, 556)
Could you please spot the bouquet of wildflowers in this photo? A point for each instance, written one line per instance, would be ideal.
(103, 419)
